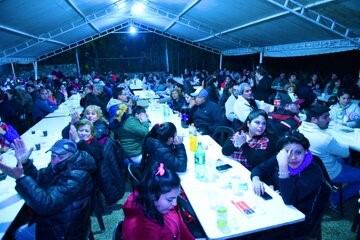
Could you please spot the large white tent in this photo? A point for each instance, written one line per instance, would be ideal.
(33, 30)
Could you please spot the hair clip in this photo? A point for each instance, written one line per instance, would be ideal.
(161, 170)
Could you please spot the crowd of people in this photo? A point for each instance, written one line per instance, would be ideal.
(271, 140)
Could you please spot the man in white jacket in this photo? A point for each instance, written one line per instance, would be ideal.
(246, 103)
(331, 152)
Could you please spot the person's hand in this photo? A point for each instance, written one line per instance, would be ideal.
(14, 172)
(239, 139)
(2, 131)
(282, 158)
(73, 134)
(178, 140)
(75, 117)
(258, 186)
(192, 103)
(22, 154)
(143, 118)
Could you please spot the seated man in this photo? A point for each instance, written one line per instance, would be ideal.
(59, 195)
(205, 114)
(331, 152)
(245, 103)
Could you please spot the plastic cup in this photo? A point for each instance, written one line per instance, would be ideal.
(37, 146)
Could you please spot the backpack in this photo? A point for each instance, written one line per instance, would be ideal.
(111, 174)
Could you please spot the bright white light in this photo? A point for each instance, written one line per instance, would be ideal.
(137, 8)
(132, 30)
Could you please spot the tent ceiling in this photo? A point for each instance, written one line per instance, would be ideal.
(38, 29)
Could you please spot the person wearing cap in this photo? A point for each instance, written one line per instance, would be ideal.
(245, 103)
(284, 118)
(205, 114)
(59, 195)
(331, 152)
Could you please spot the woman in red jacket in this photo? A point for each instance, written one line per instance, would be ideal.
(151, 212)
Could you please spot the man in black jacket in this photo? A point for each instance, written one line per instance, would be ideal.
(58, 195)
(205, 114)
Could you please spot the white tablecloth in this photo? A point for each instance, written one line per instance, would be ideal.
(205, 196)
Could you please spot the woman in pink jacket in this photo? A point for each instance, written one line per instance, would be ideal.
(151, 212)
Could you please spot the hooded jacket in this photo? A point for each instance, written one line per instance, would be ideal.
(60, 197)
(173, 156)
(137, 226)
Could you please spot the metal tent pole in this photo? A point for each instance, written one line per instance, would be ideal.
(77, 61)
(35, 69)
(13, 70)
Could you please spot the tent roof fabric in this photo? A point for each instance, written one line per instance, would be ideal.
(35, 30)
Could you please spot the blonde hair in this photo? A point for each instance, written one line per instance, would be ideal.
(95, 109)
(122, 109)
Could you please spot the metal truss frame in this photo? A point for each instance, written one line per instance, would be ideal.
(85, 40)
(78, 11)
(59, 31)
(317, 19)
(173, 37)
(16, 31)
(22, 60)
(261, 20)
(323, 44)
(194, 25)
(185, 10)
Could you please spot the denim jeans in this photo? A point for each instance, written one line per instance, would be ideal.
(351, 177)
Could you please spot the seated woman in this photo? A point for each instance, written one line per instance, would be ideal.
(176, 101)
(294, 172)
(130, 130)
(162, 144)
(150, 211)
(249, 145)
(345, 111)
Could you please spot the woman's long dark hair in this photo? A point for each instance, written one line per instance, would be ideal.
(293, 137)
(252, 115)
(161, 132)
(152, 185)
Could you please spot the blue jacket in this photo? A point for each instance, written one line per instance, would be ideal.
(207, 116)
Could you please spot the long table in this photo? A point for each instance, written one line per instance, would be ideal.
(10, 200)
(206, 196)
(345, 135)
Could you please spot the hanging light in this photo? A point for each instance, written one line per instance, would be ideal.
(138, 8)
(132, 30)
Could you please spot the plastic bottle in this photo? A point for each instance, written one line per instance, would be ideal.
(166, 113)
(184, 116)
(200, 160)
(193, 142)
(221, 219)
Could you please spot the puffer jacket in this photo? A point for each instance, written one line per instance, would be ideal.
(173, 156)
(60, 197)
(137, 226)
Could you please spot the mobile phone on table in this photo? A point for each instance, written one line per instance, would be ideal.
(266, 196)
(223, 167)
